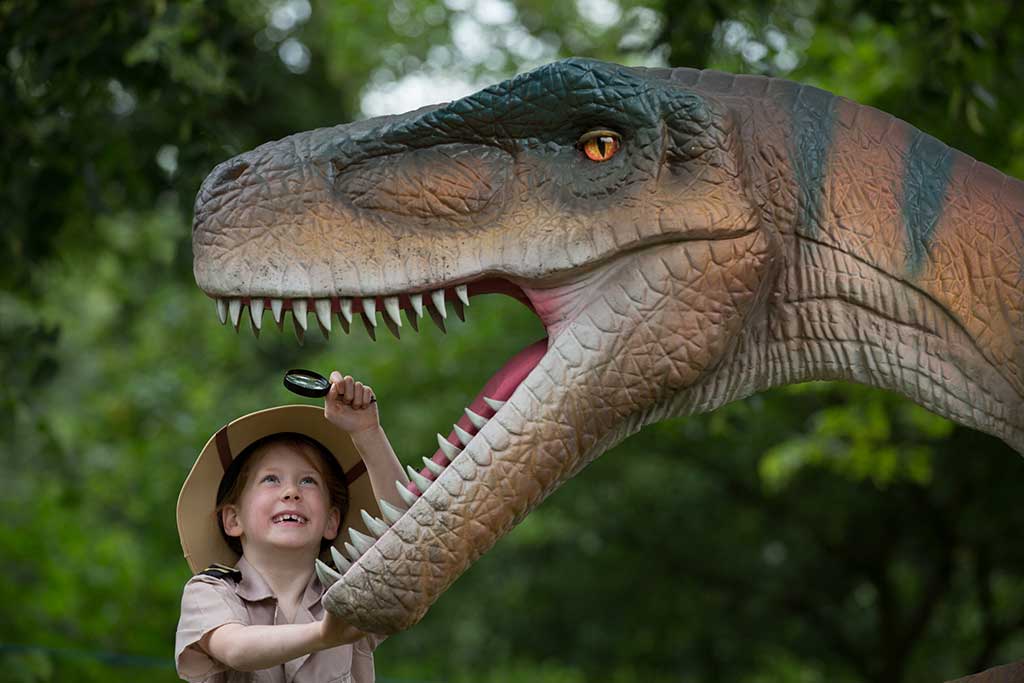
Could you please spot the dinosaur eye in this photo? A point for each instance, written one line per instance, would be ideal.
(600, 145)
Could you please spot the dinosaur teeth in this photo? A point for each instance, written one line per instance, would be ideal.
(462, 291)
(495, 405)
(422, 483)
(361, 541)
(276, 307)
(323, 313)
(463, 435)
(376, 526)
(256, 313)
(435, 467)
(340, 562)
(390, 512)
(450, 449)
(300, 309)
(353, 554)
(370, 310)
(408, 496)
(327, 576)
(229, 308)
(345, 310)
(235, 311)
(391, 308)
(437, 296)
(222, 310)
(477, 420)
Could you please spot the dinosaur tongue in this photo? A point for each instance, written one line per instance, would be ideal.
(501, 385)
(498, 388)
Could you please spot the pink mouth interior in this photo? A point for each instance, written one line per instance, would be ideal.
(499, 387)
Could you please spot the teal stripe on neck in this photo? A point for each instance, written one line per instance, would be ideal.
(812, 115)
(926, 178)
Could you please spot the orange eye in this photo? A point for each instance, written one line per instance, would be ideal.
(600, 145)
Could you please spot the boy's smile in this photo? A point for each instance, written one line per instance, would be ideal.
(290, 518)
(284, 505)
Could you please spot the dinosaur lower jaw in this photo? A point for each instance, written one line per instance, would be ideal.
(502, 472)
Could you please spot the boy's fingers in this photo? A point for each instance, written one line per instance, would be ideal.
(357, 395)
(367, 395)
(349, 389)
(335, 376)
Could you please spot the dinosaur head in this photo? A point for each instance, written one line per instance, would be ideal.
(611, 202)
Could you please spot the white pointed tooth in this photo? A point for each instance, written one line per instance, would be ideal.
(496, 405)
(345, 307)
(376, 526)
(462, 291)
(390, 512)
(437, 296)
(450, 449)
(323, 312)
(235, 310)
(408, 496)
(353, 554)
(276, 306)
(417, 304)
(422, 483)
(300, 308)
(327, 576)
(361, 541)
(463, 435)
(339, 560)
(222, 311)
(256, 312)
(477, 420)
(391, 307)
(435, 467)
(370, 309)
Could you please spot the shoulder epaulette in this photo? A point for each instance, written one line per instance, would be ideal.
(222, 571)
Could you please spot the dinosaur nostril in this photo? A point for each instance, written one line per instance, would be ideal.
(232, 172)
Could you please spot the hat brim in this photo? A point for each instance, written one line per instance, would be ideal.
(201, 538)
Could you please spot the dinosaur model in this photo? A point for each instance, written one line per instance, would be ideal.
(686, 237)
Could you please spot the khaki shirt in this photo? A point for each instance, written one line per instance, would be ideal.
(209, 602)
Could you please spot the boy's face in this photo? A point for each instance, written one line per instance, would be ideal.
(285, 503)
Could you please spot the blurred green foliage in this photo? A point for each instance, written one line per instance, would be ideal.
(822, 532)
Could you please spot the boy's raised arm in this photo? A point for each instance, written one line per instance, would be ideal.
(351, 407)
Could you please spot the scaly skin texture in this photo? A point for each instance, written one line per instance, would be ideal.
(750, 232)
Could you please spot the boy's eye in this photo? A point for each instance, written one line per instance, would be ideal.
(308, 480)
(269, 477)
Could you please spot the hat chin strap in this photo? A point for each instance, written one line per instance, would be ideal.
(223, 447)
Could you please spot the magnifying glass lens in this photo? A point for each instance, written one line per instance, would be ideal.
(306, 383)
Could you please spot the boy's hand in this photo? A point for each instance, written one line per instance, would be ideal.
(350, 405)
(334, 631)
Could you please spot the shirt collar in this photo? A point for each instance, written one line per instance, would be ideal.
(253, 587)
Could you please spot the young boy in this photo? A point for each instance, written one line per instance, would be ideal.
(267, 495)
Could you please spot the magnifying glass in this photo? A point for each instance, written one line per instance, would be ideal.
(309, 383)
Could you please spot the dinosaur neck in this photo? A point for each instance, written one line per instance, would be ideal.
(905, 265)
(905, 268)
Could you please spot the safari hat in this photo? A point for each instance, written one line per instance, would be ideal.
(201, 538)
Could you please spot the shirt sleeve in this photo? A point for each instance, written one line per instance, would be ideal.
(206, 603)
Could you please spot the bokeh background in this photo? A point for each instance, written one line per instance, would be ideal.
(821, 532)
